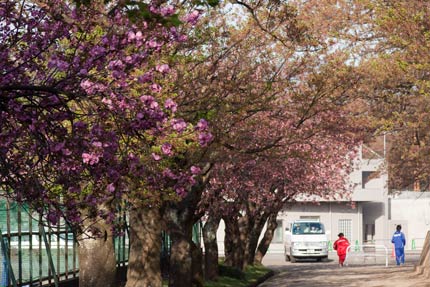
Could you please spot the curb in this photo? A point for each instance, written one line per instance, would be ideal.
(262, 279)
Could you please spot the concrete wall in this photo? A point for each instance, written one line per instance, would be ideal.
(329, 214)
(412, 210)
(376, 188)
(220, 237)
(373, 198)
(374, 214)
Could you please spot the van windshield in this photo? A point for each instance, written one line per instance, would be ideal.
(308, 228)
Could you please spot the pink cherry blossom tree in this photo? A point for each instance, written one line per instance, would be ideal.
(86, 122)
(276, 102)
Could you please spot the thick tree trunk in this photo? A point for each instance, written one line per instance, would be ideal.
(254, 235)
(211, 247)
(97, 264)
(251, 247)
(180, 272)
(228, 246)
(245, 228)
(185, 257)
(186, 268)
(423, 265)
(267, 238)
(234, 245)
(145, 248)
(197, 265)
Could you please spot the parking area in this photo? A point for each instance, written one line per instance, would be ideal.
(369, 272)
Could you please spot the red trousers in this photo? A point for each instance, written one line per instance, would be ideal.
(341, 258)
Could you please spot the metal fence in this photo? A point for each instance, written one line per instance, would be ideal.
(35, 253)
(121, 241)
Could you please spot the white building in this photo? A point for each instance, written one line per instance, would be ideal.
(370, 216)
(362, 218)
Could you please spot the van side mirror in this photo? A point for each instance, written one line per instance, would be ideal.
(287, 229)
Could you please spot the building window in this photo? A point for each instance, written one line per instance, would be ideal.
(278, 235)
(366, 176)
(345, 226)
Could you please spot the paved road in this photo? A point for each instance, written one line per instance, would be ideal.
(360, 272)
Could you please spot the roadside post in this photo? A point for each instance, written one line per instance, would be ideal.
(357, 246)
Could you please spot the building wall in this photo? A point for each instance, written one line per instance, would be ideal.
(375, 188)
(374, 217)
(374, 222)
(372, 193)
(370, 211)
(329, 214)
(412, 211)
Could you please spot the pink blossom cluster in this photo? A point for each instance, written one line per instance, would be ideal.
(82, 105)
(192, 17)
(265, 167)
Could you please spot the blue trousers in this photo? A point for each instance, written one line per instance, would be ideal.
(400, 255)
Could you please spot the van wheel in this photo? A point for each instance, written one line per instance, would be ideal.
(293, 259)
(324, 259)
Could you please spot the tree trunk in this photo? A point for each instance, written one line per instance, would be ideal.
(422, 265)
(234, 256)
(244, 224)
(183, 271)
(197, 265)
(145, 248)
(254, 235)
(185, 258)
(267, 238)
(97, 264)
(228, 246)
(180, 272)
(211, 247)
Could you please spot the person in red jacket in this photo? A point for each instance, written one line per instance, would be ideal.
(340, 246)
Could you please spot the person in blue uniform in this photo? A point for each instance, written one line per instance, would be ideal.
(399, 241)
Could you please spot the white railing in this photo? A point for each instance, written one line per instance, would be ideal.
(367, 251)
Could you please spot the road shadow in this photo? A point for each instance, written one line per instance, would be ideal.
(311, 274)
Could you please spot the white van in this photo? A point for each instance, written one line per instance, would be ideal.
(305, 238)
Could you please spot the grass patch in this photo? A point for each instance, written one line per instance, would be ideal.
(231, 277)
